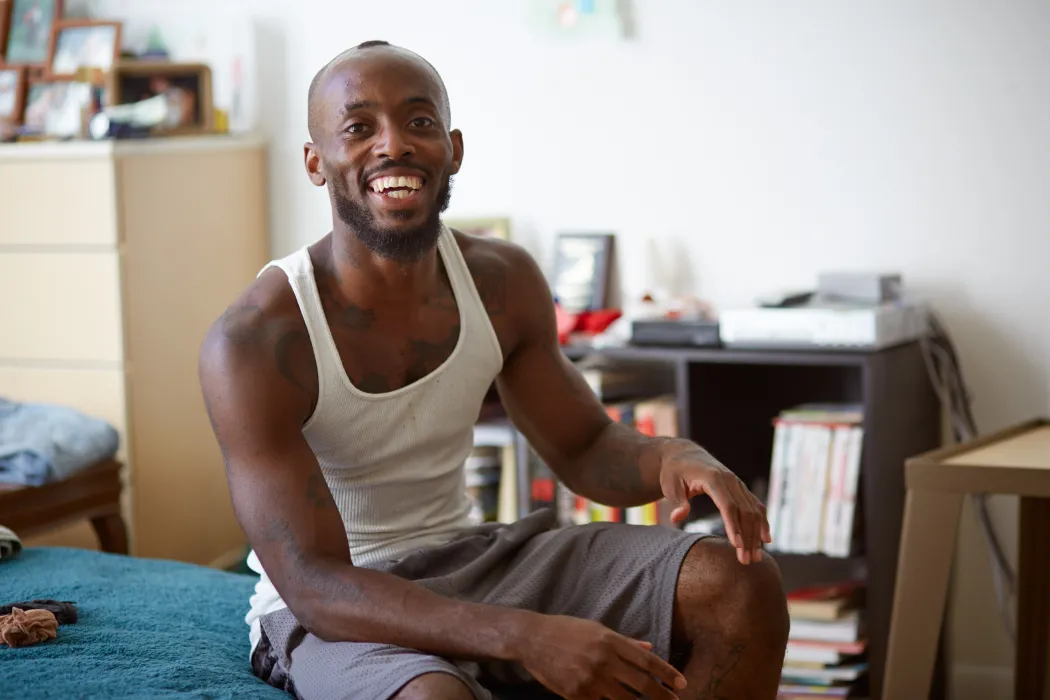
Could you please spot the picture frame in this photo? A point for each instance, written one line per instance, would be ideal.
(188, 85)
(29, 32)
(83, 44)
(12, 93)
(582, 271)
(5, 24)
(55, 109)
(491, 227)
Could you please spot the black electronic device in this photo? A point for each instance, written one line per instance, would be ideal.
(677, 333)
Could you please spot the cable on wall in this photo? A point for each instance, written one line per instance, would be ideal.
(945, 372)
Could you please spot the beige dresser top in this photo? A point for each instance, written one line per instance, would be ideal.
(65, 150)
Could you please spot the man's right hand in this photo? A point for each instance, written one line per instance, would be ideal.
(584, 660)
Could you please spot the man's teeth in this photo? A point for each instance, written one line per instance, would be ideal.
(380, 184)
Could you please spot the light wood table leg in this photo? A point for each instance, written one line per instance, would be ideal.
(931, 522)
(1033, 599)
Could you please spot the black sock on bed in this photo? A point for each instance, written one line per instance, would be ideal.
(63, 610)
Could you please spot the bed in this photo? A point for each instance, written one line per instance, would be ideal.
(146, 629)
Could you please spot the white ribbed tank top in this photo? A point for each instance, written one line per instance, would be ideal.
(393, 461)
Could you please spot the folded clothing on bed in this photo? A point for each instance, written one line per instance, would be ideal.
(10, 545)
(42, 442)
(23, 628)
(65, 611)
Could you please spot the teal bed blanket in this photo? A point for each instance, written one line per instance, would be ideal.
(146, 629)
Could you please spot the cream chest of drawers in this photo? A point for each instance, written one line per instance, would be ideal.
(114, 259)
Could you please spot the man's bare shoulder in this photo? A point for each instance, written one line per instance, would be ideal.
(510, 283)
(494, 260)
(260, 338)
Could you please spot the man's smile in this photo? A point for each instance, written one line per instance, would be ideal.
(398, 187)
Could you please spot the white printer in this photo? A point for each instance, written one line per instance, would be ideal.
(848, 311)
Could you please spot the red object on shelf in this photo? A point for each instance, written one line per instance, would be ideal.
(590, 322)
(565, 322)
(826, 591)
(597, 321)
(543, 490)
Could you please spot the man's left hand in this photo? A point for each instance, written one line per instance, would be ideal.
(689, 471)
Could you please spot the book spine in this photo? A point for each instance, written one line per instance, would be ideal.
(774, 500)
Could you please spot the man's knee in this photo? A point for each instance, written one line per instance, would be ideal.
(435, 686)
(715, 589)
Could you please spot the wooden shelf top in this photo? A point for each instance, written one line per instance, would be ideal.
(816, 356)
(81, 149)
(1011, 461)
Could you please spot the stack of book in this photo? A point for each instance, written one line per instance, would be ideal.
(826, 651)
(813, 479)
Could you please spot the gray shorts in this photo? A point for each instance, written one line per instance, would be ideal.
(623, 576)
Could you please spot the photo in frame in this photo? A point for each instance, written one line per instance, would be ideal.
(12, 93)
(495, 227)
(5, 24)
(29, 31)
(582, 271)
(186, 88)
(77, 44)
(56, 109)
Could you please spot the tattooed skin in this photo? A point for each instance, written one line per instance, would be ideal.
(317, 493)
(719, 674)
(375, 369)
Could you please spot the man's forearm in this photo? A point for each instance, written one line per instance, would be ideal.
(343, 603)
(622, 466)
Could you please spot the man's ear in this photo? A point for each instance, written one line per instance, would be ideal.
(313, 164)
(457, 150)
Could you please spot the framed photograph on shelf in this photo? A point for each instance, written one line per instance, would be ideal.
(496, 227)
(5, 25)
(29, 31)
(77, 44)
(582, 269)
(56, 109)
(186, 89)
(12, 93)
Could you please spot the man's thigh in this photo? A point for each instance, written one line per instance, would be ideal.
(308, 667)
(623, 576)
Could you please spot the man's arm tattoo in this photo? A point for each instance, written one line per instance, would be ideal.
(318, 493)
(244, 325)
(491, 283)
(612, 468)
(290, 351)
(617, 463)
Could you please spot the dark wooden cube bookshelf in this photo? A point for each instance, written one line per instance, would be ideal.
(727, 400)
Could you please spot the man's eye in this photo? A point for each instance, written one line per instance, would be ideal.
(355, 128)
(422, 121)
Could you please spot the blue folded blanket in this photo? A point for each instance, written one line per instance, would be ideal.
(42, 442)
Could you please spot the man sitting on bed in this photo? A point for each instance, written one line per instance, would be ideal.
(343, 387)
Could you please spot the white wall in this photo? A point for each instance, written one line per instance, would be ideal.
(753, 143)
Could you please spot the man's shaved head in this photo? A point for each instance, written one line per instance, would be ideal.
(382, 143)
(313, 95)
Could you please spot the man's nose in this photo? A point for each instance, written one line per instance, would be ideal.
(393, 144)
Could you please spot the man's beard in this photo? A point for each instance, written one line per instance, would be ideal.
(405, 245)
